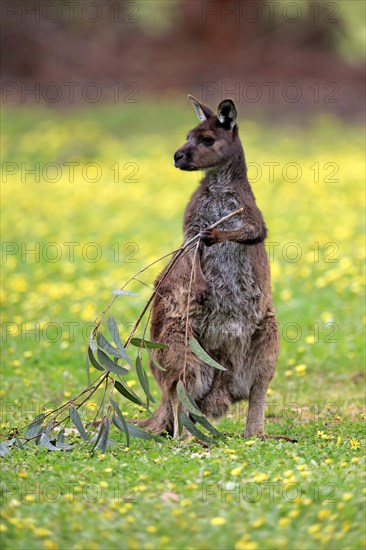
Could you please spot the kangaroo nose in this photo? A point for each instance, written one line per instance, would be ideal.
(178, 156)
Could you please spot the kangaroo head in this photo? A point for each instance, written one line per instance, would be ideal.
(213, 142)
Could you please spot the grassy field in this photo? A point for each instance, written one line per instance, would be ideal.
(103, 201)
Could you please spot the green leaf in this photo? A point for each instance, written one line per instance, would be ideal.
(110, 365)
(60, 436)
(60, 441)
(103, 442)
(119, 352)
(93, 361)
(114, 332)
(76, 420)
(18, 442)
(139, 342)
(138, 432)
(47, 443)
(206, 424)
(48, 429)
(122, 427)
(200, 352)
(186, 402)
(144, 381)
(4, 450)
(157, 365)
(121, 420)
(187, 422)
(35, 426)
(87, 366)
(97, 439)
(203, 420)
(126, 392)
(180, 424)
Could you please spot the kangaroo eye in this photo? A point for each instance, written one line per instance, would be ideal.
(208, 141)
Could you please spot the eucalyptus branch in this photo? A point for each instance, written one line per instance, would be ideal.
(178, 252)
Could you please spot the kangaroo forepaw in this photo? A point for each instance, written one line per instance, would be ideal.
(209, 236)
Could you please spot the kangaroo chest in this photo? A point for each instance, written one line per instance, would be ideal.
(232, 310)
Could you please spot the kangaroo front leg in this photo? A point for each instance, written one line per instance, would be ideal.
(257, 403)
(251, 230)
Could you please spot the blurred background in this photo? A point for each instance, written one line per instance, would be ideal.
(289, 58)
(93, 107)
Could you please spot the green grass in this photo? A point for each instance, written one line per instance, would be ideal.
(238, 494)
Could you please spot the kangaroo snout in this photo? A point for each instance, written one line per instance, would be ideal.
(182, 160)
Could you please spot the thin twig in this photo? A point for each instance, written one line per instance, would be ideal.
(187, 312)
(178, 252)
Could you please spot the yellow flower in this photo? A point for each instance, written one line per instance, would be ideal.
(346, 526)
(347, 496)
(236, 471)
(131, 519)
(323, 514)
(284, 522)
(258, 523)
(259, 478)
(244, 544)
(286, 295)
(300, 370)
(41, 532)
(355, 444)
(23, 475)
(50, 545)
(151, 529)
(249, 443)
(218, 521)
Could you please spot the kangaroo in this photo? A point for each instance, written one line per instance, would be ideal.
(229, 297)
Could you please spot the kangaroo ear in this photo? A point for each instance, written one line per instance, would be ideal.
(227, 114)
(202, 111)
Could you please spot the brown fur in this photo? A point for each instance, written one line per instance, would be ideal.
(230, 306)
